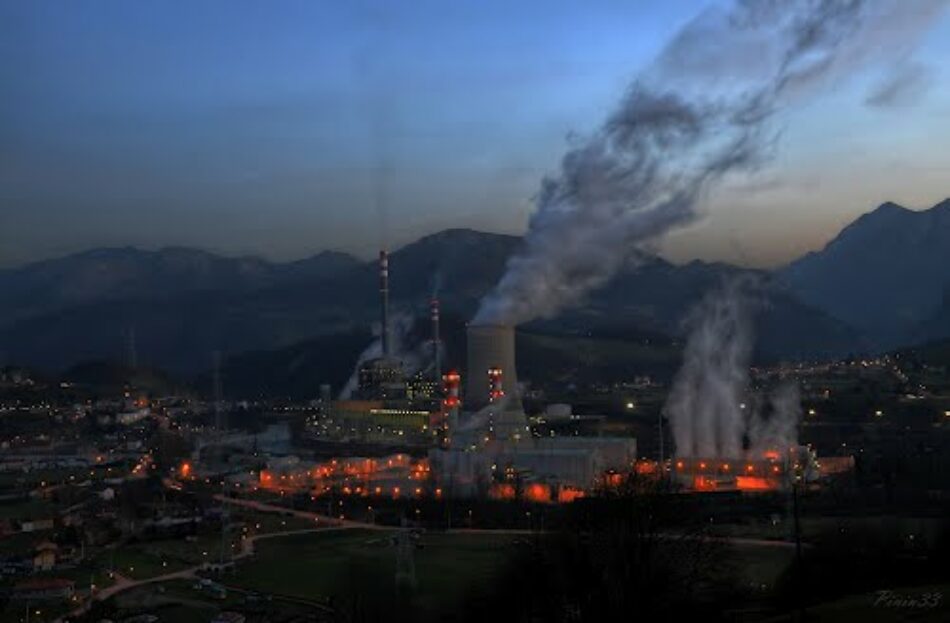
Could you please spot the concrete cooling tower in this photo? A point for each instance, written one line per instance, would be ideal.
(490, 347)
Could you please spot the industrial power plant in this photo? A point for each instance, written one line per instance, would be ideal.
(472, 438)
(469, 424)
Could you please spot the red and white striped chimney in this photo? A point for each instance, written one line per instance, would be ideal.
(384, 300)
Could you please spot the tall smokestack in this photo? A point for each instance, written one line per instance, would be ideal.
(436, 341)
(384, 300)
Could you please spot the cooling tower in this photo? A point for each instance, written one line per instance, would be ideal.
(489, 346)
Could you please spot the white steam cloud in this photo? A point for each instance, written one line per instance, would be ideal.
(702, 110)
(414, 355)
(780, 431)
(711, 411)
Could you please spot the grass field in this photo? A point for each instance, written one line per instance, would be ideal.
(151, 558)
(320, 565)
(170, 601)
(177, 601)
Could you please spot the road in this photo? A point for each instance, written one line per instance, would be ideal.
(123, 583)
(325, 520)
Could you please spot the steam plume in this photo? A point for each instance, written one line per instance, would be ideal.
(780, 431)
(700, 111)
(705, 407)
(413, 353)
(710, 409)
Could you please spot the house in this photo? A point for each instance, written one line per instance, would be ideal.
(45, 556)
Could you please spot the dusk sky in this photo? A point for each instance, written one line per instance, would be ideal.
(284, 128)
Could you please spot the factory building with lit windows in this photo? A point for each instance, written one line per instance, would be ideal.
(389, 405)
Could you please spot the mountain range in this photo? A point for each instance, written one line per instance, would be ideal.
(882, 282)
(887, 274)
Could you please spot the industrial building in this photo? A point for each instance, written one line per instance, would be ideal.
(389, 405)
(479, 442)
(489, 448)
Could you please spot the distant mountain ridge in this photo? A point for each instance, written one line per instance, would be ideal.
(886, 274)
(130, 273)
(882, 282)
(183, 304)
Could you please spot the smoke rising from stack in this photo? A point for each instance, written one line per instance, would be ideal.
(702, 110)
(710, 410)
(400, 347)
(413, 351)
